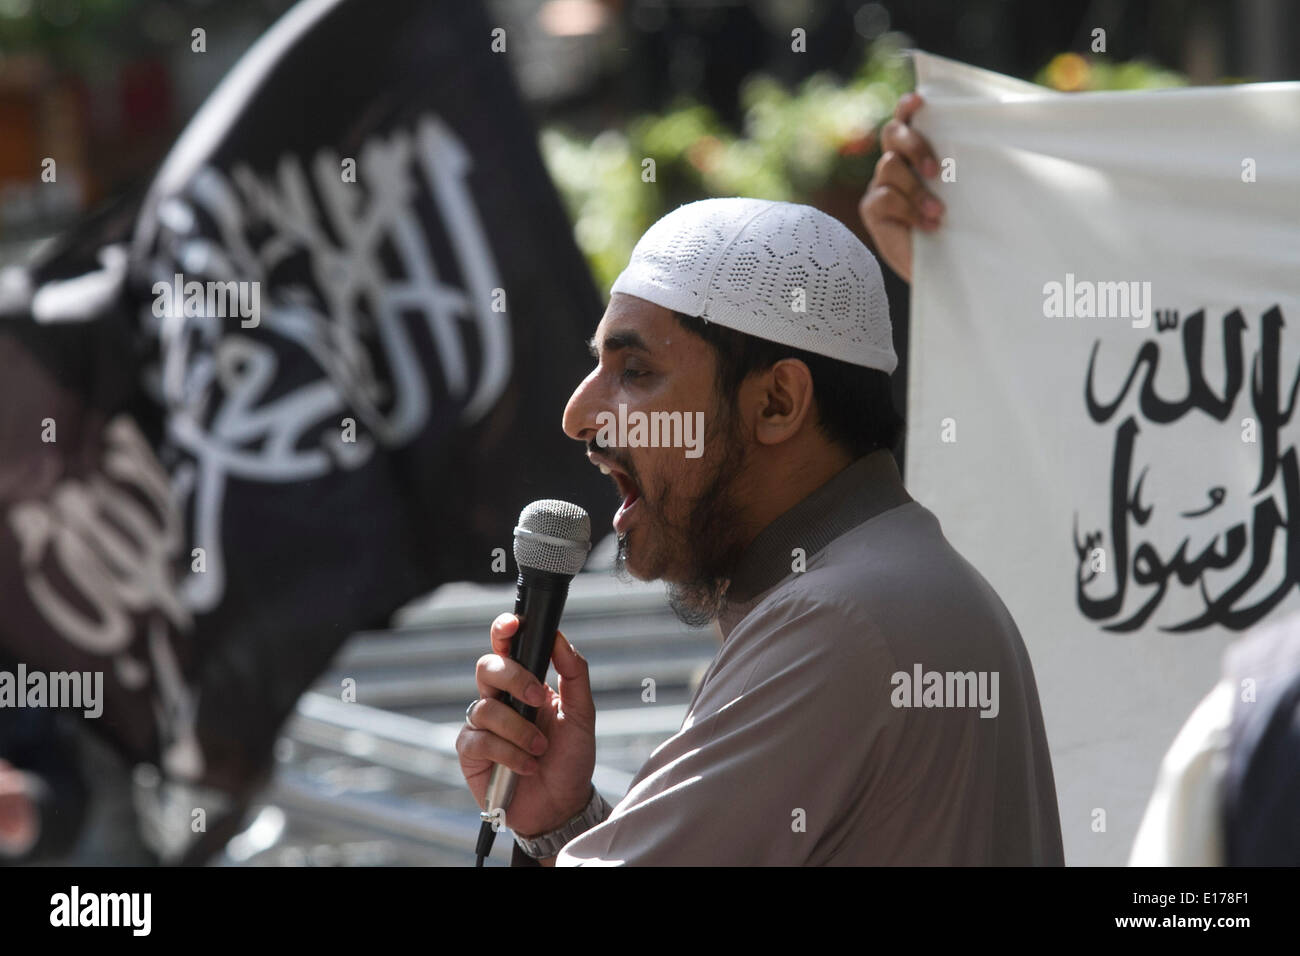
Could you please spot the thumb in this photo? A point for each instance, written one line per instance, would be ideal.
(575, 682)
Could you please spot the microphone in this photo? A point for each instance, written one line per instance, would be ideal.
(551, 545)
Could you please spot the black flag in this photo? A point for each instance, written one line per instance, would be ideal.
(315, 369)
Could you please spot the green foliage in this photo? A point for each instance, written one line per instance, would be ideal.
(1071, 72)
(68, 31)
(802, 145)
(792, 145)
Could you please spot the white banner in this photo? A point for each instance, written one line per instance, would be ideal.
(1101, 398)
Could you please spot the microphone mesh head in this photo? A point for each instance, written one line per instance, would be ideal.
(553, 536)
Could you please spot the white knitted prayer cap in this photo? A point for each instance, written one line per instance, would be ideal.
(743, 263)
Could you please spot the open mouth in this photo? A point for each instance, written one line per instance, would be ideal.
(626, 487)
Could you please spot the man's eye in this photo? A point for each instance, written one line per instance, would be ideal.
(631, 373)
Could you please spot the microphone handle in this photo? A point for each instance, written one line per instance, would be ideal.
(539, 603)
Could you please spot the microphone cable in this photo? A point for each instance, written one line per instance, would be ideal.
(483, 848)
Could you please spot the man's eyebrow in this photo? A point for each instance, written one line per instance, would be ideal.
(615, 341)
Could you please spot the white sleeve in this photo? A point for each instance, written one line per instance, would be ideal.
(1183, 823)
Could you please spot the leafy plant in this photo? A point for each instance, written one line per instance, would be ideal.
(815, 144)
(1073, 73)
(792, 145)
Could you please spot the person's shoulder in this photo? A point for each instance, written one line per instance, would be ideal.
(846, 581)
(896, 581)
(819, 618)
(899, 556)
(903, 553)
(908, 532)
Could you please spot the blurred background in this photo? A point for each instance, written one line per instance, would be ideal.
(709, 89)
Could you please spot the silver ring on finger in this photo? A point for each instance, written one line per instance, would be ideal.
(469, 723)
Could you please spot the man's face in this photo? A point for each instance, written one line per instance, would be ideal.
(681, 518)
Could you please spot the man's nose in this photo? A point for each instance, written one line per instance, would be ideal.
(584, 404)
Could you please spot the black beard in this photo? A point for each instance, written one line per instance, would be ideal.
(709, 539)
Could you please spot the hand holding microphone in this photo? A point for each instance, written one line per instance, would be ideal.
(548, 783)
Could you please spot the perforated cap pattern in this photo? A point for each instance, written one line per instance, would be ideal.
(553, 536)
(779, 271)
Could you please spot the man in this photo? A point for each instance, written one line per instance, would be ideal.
(872, 701)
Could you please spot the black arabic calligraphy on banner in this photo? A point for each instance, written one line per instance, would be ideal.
(1232, 572)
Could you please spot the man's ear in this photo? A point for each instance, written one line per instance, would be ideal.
(785, 401)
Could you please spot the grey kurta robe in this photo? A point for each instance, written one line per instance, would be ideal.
(809, 740)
